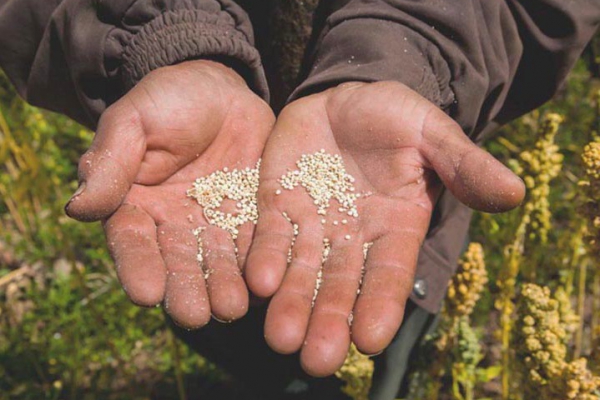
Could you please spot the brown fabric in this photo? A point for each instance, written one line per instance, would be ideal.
(283, 30)
(484, 62)
(79, 56)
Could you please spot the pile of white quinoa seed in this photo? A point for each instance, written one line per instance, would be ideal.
(324, 177)
(240, 186)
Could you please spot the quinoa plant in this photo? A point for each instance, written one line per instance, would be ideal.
(537, 167)
(541, 342)
(454, 348)
(357, 373)
(591, 209)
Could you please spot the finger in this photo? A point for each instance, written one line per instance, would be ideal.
(109, 167)
(186, 298)
(289, 311)
(389, 274)
(226, 288)
(474, 176)
(267, 259)
(328, 337)
(132, 243)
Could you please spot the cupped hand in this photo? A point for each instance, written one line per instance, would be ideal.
(179, 123)
(401, 150)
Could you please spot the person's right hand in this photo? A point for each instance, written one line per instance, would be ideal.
(179, 123)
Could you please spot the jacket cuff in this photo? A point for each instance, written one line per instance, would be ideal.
(178, 36)
(370, 50)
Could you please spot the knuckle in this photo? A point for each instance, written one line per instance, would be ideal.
(123, 115)
(308, 254)
(221, 254)
(342, 280)
(307, 264)
(333, 311)
(273, 241)
(302, 294)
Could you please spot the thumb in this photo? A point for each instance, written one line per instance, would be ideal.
(107, 170)
(473, 175)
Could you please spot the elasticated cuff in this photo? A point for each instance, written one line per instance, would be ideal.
(175, 37)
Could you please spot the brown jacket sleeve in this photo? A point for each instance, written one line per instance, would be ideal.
(484, 62)
(78, 56)
(479, 60)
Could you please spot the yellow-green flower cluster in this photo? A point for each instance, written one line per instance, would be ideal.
(540, 344)
(591, 161)
(538, 167)
(591, 209)
(455, 344)
(467, 352)
(466, 355)
(595, 354)
(465, 287)
(357, 373)
(568, 317)
(578, 382)
(540, 335)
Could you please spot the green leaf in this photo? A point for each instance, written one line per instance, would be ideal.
(487, 374)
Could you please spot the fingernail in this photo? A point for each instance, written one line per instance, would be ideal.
(77, 193)
(375, 354)
(79, 190)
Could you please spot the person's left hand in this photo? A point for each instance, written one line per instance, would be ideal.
(397, 146)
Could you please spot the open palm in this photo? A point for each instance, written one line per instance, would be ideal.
(401, 150)
(179, 123)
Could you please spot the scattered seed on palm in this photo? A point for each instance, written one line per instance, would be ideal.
(324, 177)
(296, 231)
(239, 186)
(366, 247)
(200, 256)
(319, 280)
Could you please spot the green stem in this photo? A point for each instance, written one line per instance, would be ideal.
(580, 309)
(506, 297)
(595, 306)
(469, 391)
(577, 246)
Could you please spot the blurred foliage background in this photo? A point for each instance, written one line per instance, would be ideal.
(522, 317)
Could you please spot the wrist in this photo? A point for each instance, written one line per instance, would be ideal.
(211, 72)
(217, 69)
